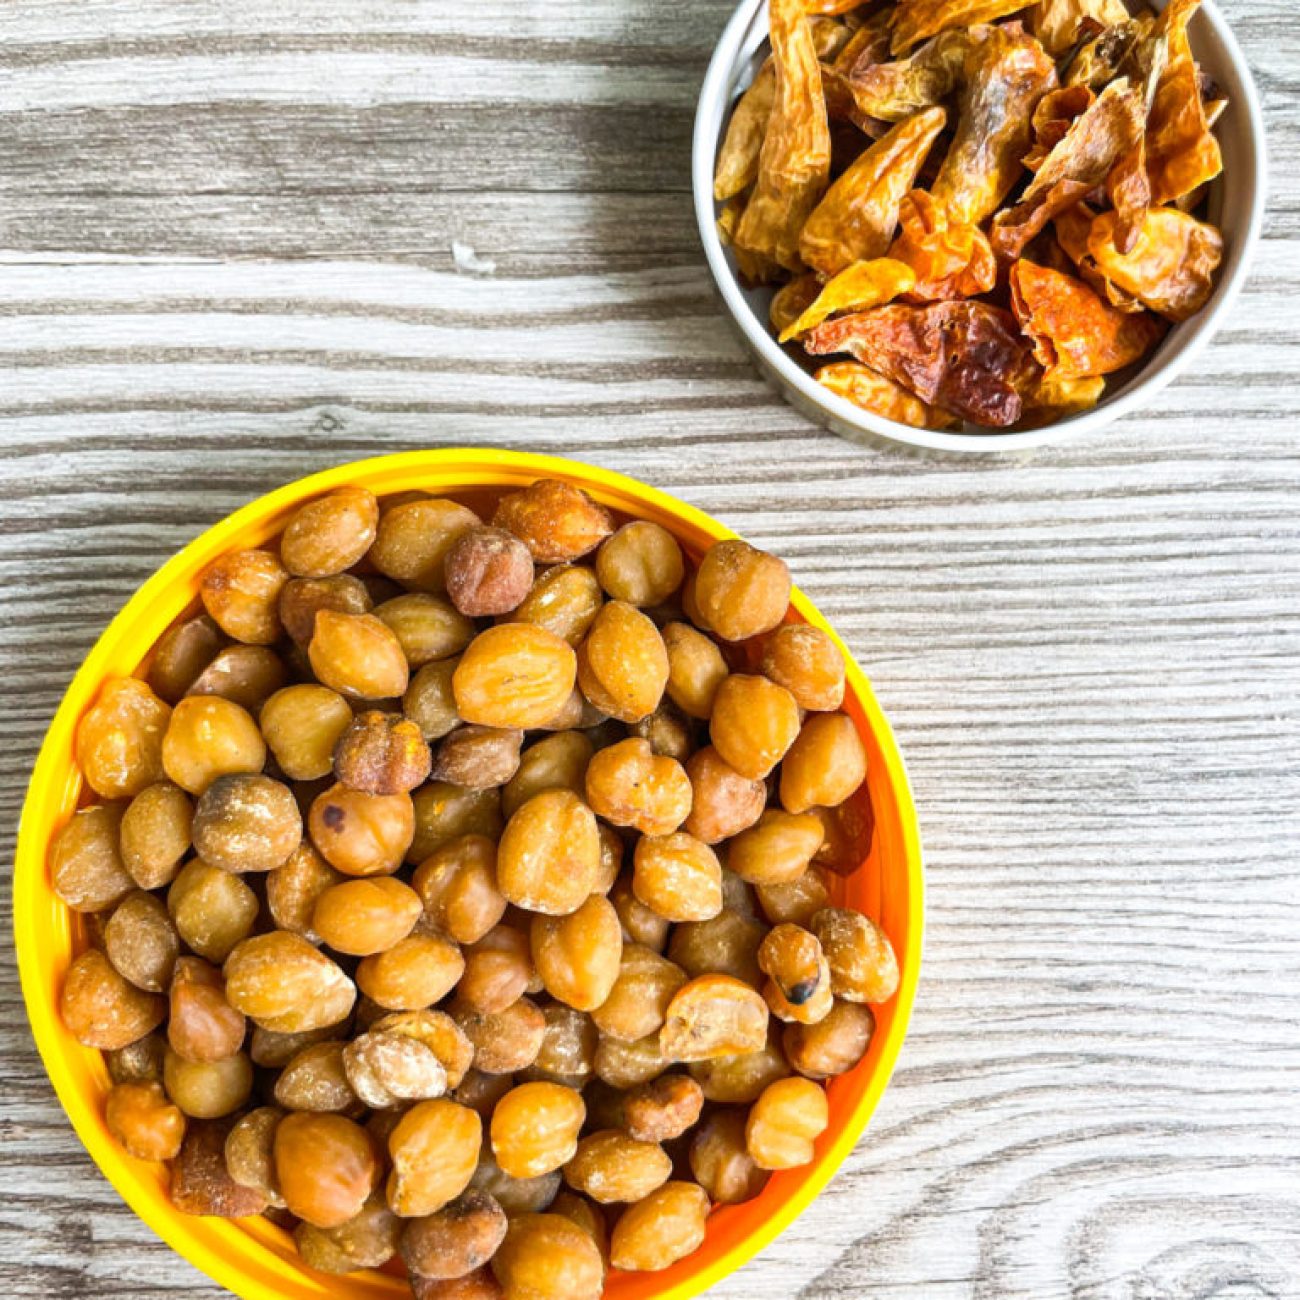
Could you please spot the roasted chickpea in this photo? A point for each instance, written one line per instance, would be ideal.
(740, 591)
(849, 829)
(577, 1209)
(663, 1109)
(504, 1041)
(535, 1128)
(723, 803)
(428, 628)
(739, 1079)
(209, 737)
(799, 984)
(293, 888)
(784, 1123)
(357, 655)
(362, 834)
(315, 1079)
(119, 740)
(414, 539)
(138, 1062)
(275, 1049)
(459, 1238)
(380, 753)
(430, 701)
(622, 663)
(797, 900)
(564, 600)
(143, 1122)
(611, 859)
(363, 917)
(720, 1160)
(182, 653)
(213, 910)
(283, 983)
(480, 1091)
(102, 1008)
(677, 876)
(629, 785)
(808, 663)
(624, 1065)
(639, 1000)
(514, 1195)
(514, 675)
(208, 1089)
(202, 1025)
(862, 962)
(302, 725)
(301, 599)
(478, 758)
(435, 1150)
(833, 1045)
(331, 533)
(825, 765)
(498, 970)
(488, 571)
(86, 866)
(445, 812)
(155, 834)
(367, 1240)
(415, 972)
(696, 669)
(578, 956)
(726, 944)
(247, 674)
(613, 1166)
(241, 591)
(640, 923)
(246, 822)
(547, 1257)
(754, 722)
(641, 564)
(458, 886)
(556, 521)
(777, 850)
(713, 1015)
(661, 1229)
(549, 856)
(556, 762)
(568, 1047)
(326, 1166)
(250, 1152)
(200, 1183)
(388, 1067)
(481, 1284)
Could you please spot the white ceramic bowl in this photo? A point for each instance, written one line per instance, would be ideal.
(1236, 206)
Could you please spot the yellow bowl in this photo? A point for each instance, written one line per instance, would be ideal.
(252, 1257)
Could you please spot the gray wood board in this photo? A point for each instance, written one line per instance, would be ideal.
(226, 260)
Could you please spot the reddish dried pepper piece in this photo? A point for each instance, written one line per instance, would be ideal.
(951, 258)
(918, 20)
(966, 357)
(871, 391)
(830, 6)
(862, 285)
(1129, 189)
(1075, 334)
(1013, 228)
(894, 91)
(857, 218)
(1007, 73)
(1057, 22)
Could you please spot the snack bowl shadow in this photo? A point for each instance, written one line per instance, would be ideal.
(1235, 204)
(252, 1257)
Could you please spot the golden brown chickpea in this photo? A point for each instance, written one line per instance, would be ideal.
(415, 972)
(434, 1149)
(458, 1239)
(777, 850)
(293, 888)
(241, 592)
(182, 653)
(577, 1209)
(641, 564)
(86, 866)
(481, 1092)
(274, 1050)
(723, 803)
(247, 674)
(445, 812)
(713, 1015)
(640, 923)
(663, 1109)
(208, 1089)
(677, 876)
(799, 984)
(481, 1284)
(200, 1183)
(849, 829)
(246, 822)
(549, 856)
(629, 785)
(611, 859)
(282, 982)
(825, 765)
(555, 520)
(658, 1231)
(696, 669)
(430, 702)
(738, 894)
(155, 834)
(739, 1079)
(740, 591)
(138, 1062)
(808, 663)
(498, 970)
(489, 571)
(387, 1068)
(209, 737)
(381, 753)
(564, 600)
(514, 675)
(568, 1047)
(316, 1080)
(547, 1257)
(143, 1122)
(357, 655)
(478, 758)
(556, 762)
(862, 962)
(428, 628)
(414, 538)
(367, 1240)
(753, 723)
(438, 1032)
(102, 1008)
(639, 1000)
(624, 1065)
(331, 533)
(250, 1152)
(797, 900)
(363, 917)
(720, 1160)
(458, 885)
(301, 599)
(302, 725)
(612, 1166)
(578, 956)
(833, 1045)
(535, 1128)
(504, 1041)
(622, 663)
(119, 739)
(326, 1166)
(202, 1025)
(362, 834)
(785, 1121)
(726, 944)
(213, 910)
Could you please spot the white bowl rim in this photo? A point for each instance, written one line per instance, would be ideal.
(1193, 335)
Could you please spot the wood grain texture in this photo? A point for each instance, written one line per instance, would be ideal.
(226, 260)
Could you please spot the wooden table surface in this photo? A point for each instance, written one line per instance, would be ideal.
(242, 241)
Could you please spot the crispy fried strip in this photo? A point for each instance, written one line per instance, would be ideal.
(894, 91)
(862, 285)
(918, 20)
(863, 387)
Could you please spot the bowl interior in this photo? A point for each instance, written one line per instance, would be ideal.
(1235, 203)
(252, 1257)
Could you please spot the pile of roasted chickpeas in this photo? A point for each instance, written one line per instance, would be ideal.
(463, 892)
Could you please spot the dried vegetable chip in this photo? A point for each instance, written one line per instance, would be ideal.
(918, 20)
(894, 91)
(951, 259)
(1013, 228)
(829, 6)
(863, 387)
(1075, 334)
(1057, 23)
(1055, 398)
(1129, 189)
(1113, 51)
(1007, 72)
(829, 37)
(857, 218)
(967, 357)
(1053, 117)
(862, 285)
(791, 300)
(1172, 264)
(794, 163)
(738, 158)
